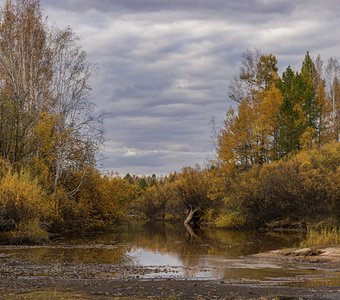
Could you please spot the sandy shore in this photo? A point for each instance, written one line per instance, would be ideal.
(327, 257)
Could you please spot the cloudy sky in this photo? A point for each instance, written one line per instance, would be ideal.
(164, 66)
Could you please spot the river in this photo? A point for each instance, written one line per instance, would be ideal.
(159, 251)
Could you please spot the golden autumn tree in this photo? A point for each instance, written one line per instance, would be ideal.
(248, 136)
(268, 110)
(46, 117)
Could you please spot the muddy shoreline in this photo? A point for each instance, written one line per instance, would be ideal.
(159, 289)
(19, 279)
(166, 263)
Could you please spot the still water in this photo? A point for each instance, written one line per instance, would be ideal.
(165, 251)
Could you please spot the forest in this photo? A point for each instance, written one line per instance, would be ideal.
(277, 159)
(278, 154)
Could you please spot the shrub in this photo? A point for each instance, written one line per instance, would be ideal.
(304, 187)
(24, 202)
(27, 232)
(230, 220)
(100, 202)
(5, 166)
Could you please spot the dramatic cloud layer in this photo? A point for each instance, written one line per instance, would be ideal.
(164, 66)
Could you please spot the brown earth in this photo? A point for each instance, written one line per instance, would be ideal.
(155, 289)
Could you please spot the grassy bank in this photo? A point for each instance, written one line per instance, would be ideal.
(322, 237)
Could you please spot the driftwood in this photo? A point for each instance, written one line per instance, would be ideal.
(191, 232)
(190, 215)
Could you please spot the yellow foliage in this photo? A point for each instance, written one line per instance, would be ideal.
(100, 202)
(304, 187)
(216, 189)
(306, 139)
(23, 199)
(236, 142)
(269, 109)
(230, 220)
(44, 133)
(28, 232)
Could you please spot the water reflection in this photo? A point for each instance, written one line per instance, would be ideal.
(156, 244)
(178, 251)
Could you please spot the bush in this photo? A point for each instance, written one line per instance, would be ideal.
(27, 233)
(230, 220)
(152, 203)
(305, 187)
(24, 203)
(100, 202)
(5, 166)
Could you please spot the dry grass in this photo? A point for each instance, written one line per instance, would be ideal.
(325, 236)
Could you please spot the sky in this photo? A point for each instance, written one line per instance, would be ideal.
(164, 66)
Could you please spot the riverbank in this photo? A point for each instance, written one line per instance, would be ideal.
(166, 262)
(328, 256)
(21, 279)
(29, 288)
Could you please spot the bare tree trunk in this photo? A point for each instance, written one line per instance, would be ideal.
(190, 216)
(191, 232)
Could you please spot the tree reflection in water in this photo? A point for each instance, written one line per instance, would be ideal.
(189, 247)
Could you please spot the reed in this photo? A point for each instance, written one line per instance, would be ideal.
(324, 236)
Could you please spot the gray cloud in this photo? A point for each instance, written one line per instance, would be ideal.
(214, 6)
(164, 66)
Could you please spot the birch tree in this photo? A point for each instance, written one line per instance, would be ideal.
(46, 117)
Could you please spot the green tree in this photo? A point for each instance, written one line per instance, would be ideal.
(295, 117)
(311, 106)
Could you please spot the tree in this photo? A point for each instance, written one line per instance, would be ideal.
(190, 194)
(46, 117)
(296, 118)
(267, 123)
(237, 140)
(78, 132)
(336, 108)
(266, 72)
(332, 84)
(257, 73)
(311, 106)
(25, 67)
(324, 133)
(245, 140)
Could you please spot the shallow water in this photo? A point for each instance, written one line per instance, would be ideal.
(164, 251)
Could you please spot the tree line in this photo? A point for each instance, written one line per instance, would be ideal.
(278, 116)
(49, 135)
(278, 152)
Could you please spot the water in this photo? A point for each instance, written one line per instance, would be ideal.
(164, 251)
